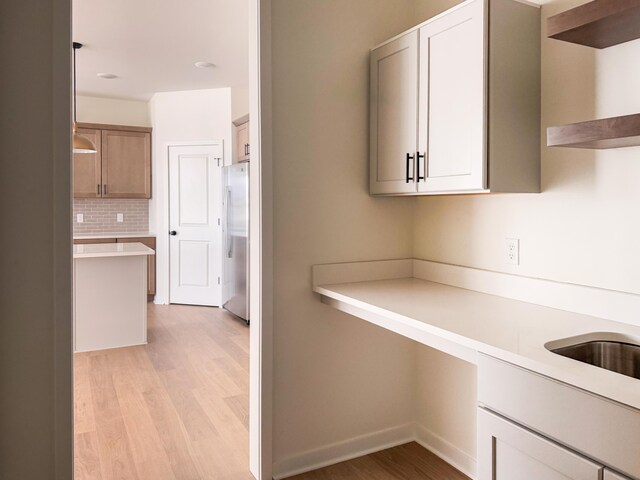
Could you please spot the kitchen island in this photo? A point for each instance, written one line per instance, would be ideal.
(110, 295)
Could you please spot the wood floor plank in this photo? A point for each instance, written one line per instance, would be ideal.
(84, 420)
(87, 457)
(405, 462)
(169, 410)
(239, 405)
(116, 458)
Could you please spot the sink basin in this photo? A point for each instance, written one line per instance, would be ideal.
(616, 356)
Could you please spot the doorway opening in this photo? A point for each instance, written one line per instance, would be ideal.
(165, 98)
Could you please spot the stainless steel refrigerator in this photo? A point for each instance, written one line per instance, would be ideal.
(236, 243)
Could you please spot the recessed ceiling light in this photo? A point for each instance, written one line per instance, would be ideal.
(108, 76)
(204, 64)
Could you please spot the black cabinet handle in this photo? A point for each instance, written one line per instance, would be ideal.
(173, 233)
(420, 177)
(409, 157)
(104, 189)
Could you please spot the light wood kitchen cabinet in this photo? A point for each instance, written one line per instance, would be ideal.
(126, 164)
(243, 148)
(121, 168)
(455, 103)
(511, 452)
(151, 260)
(87, 174)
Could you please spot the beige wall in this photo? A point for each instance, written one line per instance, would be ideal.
(113, 111)
(336, 377)
(239, 102)
(580, 229)
(35, 244)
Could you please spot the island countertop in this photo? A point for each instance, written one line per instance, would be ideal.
(99, 236)
(111, 250)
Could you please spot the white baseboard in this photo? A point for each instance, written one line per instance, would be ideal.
(446, 451)
(342, 451)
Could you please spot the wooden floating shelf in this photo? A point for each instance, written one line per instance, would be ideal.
(597, 24)
(616, 132)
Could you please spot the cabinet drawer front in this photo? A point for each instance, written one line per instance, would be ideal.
(394, 115)
(609, 475)
(507, 451)
(598, 428)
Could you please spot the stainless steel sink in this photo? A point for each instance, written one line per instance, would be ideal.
(619, 357)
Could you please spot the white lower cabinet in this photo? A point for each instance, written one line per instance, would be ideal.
(532, 427)
(510, 452)
(609, 475)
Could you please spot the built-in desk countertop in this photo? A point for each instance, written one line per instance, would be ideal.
(410, 297)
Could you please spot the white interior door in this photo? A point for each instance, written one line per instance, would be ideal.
(452, 101)
(195, 198)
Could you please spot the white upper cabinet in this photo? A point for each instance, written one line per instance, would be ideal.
(451, 111)
(394, 113)
(464, 88)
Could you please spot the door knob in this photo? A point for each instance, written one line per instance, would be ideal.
(173, 233)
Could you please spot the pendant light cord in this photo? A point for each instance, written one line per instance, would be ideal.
(75, 100)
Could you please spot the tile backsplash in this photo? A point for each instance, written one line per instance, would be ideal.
(100, 215)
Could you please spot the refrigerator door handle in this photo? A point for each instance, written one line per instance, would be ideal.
(229, 243)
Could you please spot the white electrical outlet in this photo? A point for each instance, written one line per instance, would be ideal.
(120, 217)
(80, 218)
(512, 251)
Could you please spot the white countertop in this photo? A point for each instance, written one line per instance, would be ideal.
(111, 250)
(97, 236)
(465, 322)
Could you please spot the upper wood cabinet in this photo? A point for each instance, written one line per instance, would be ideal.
(126, 164)
(121, 168)
(242, 153)
(455, 103)
(87, 176)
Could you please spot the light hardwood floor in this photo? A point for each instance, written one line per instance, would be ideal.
(406, 462)
(176, 408)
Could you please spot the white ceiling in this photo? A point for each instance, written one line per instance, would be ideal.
(152, 45)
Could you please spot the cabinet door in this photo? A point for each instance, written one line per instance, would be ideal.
(507, 451)
(394, 116)
(452, 101)
(126, 164)
(151, 260)
(87, 176)
(610, 475)
(242, 143)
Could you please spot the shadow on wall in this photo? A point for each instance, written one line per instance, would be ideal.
(568, 96)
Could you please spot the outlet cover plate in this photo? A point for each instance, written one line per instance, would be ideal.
(512, 251)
